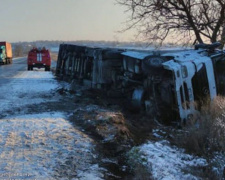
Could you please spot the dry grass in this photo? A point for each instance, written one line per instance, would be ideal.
(205, 136)
(139, 165)
(208, 134)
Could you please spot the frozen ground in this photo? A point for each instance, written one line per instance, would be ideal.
(167, 162)
(164, 161)
(26, 88)
(43, 144)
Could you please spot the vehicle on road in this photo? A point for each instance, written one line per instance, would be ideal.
(39, 58)
(5, 53)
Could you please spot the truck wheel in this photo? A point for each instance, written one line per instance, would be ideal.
(47, 68)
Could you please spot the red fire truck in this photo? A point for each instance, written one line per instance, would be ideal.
(39, 58)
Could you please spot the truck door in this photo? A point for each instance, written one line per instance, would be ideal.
(203, 82)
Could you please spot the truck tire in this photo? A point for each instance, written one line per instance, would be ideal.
(29, 68)
(47, 68)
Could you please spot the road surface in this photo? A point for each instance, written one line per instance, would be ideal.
(7, 72)
(36, 139)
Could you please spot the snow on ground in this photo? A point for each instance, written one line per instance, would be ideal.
(37, 81)
(218, 162)
(41, 145)
(27, 87)
(166, 162)
(17, 58)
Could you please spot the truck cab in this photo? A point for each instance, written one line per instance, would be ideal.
(174, 85)
(194, 80)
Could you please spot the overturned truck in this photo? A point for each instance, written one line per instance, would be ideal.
(170, 85)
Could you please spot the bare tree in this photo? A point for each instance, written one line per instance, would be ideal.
(186, 20)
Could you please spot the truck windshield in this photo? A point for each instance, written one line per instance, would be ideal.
(200, 86)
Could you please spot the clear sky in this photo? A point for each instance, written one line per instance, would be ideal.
(30, 20)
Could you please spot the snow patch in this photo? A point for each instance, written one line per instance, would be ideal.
(218, 163)
(45, 146)
(166, 162)
(27, 87)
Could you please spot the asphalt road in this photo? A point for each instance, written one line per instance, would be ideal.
(8, 71)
